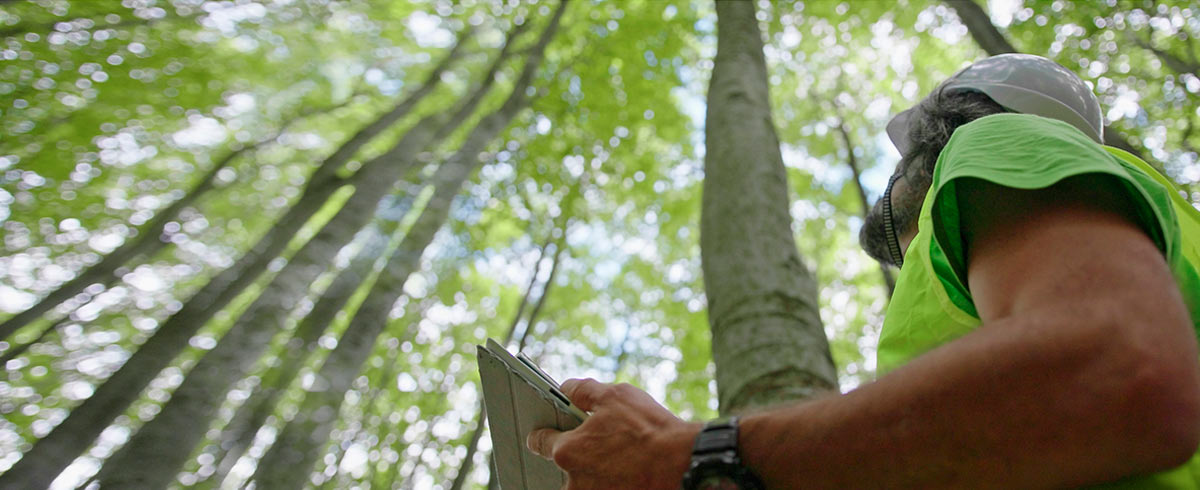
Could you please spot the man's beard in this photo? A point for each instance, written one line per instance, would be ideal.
(873, 236)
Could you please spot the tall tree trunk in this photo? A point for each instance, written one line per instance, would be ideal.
(239, 433)
(169, 438)
(493, 481)
(989, 37)
(288, 462)
(17, 350)
(1176, 63)
(888, 279)
(402, 108)
(51, 454)
(145, 243)
(767, 339)
(369, 408)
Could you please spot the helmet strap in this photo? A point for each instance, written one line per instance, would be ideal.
(889, 227)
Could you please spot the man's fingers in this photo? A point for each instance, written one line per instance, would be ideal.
(584, 393)
(541, 442)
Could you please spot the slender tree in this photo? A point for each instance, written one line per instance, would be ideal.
(369, 411)
(1179, 64)
(856, 174)
(767, 340)
(17, 350)
(287, 463)
(251, 415)
(168, 439)
(51, 454)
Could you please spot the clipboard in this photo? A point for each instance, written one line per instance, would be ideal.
(520, 397)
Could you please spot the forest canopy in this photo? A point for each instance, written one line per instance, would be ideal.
(249, 236)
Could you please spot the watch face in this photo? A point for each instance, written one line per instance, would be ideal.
(717, 483)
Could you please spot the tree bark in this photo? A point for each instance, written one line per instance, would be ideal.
(15, 351)
(989, 37)
(1175, 63)
(368, 410)
(168, 439)
(290, 459)
(239, 433)
(888, 280)
(51, 454)
(767, 340)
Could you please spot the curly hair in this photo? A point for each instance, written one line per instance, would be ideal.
(936, 118)
(929, 129)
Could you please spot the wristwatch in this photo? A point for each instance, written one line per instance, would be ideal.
(715, 462)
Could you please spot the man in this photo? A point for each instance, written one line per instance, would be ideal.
(1041, 334)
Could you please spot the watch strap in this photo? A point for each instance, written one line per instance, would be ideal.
(717, 435)
(715, 460)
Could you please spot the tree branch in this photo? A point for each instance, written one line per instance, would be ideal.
(852, 160)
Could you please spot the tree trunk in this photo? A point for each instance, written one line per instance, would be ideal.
(852, 160)
(403, 108)
(239, 433)
(15, 351)
(290, 459)
(368, 408)
(989, 37)
(169, 438)
(1176, 63)
(493, 481)
(767, 339)
(51, 454)
(537, 308)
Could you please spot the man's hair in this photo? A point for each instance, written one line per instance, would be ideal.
(936, 118)
(929, 129)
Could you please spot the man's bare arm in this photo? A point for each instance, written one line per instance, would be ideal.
(1085, 370)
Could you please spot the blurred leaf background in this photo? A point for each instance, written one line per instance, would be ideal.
(578, 232)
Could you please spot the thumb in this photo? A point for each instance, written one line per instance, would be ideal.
(542, 441)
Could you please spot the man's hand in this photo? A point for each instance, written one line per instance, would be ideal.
(628, 441)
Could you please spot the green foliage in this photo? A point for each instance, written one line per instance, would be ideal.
(111, 110)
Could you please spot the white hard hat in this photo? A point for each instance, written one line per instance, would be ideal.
(1021, 83)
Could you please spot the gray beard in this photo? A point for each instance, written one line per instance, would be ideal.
(873, 235)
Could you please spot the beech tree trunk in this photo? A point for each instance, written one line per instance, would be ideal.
(989, 37)
(289, 461)
(154, 455)
(239, 433)
(51, 454)
(767, 339)
(169, 438)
